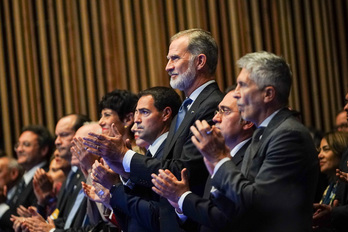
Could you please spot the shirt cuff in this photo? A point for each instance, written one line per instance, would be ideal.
(218, 165)
(181, 216)
(52, 230)
(127, 183)
(3, 208)
(127, 160)
(182, 198)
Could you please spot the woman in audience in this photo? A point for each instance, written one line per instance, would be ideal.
(118, 107)
(332, 146)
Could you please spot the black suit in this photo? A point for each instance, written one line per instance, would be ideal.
(179, 153)
(213, 211)
(26, 198)
(275, 191)
(71, 193)
(137, 209)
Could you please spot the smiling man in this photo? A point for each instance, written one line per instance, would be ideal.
(33, 149)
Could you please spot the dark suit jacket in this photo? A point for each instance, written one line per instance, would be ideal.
(213, 211)
(137, 209)
(73, 189)
(276, 190)
(27, 198)
(339, 217)
(179, 153)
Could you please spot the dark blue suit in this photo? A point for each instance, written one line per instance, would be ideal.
(179, 153)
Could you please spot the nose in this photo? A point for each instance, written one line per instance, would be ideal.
(236, 93)
(137, 118)
(101, 122)
(217, 118)
(169, 66)
(320, 155)
(58, 141)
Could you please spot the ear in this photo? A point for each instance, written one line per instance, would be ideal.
(247, 125)
(44, 151)
(269, 94)
(166, 114)
(201, 61)
(128, 119)
(14, 173)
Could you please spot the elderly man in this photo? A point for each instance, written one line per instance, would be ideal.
(210, 212)
(192, 60)
(10, 174)
(34, 147)
(275, 187)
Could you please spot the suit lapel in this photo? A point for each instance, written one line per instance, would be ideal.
(273, 124)
(188, 119)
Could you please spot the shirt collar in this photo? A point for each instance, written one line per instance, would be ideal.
(238, 147)
(268, 119)
(158, 142)
(30, 174)
(195, 93)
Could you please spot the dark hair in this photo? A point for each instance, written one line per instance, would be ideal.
(45, 138)
(121, 101)
(201, 42)
(338, 141)
(163, 97)
(80, 120)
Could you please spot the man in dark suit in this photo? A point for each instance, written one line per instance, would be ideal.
(275, 188)
(237, 134)
(192, 60)
(34, 147)
(154, 113)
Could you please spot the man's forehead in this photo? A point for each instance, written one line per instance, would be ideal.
(66, 123)
(178, 46)
(28, 136)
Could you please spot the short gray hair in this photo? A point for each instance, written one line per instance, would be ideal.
(268, 69)
(201, 42)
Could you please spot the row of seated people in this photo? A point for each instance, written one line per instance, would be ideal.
(255, 169)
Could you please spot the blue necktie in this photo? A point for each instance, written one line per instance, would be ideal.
(182, 112)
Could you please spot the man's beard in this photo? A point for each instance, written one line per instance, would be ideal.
(186, 79)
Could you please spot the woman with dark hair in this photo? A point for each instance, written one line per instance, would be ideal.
(118, 107)
(332, 146)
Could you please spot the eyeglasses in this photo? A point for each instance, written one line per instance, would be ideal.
(224, 111)
(24, 144)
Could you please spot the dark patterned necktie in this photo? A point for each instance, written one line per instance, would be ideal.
(20, 188)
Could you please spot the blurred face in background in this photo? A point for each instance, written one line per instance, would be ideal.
(328, 161)
(60, 162)
(64, 135)
(28, 150)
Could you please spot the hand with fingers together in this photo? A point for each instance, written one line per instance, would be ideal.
(85, 157)
(110, 147)
(42, 185)
(101, 173)
(209, 141)
(168, 186)
(343, 176)
(24, 212)
(98, 193)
